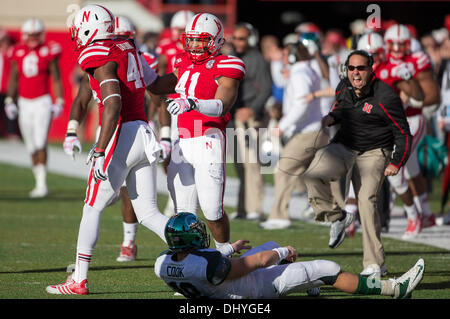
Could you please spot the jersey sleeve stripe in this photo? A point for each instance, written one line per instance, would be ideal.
(229, 66)
(232, 60)
(82, 58)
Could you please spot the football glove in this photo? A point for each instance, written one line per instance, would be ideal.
(166, 148)
(401, 71)
(71, 142)
(180, 105)
(11, 109)
(97, 156)
(57, 108)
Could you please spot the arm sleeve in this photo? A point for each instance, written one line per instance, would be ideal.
(300, 87)
(149, 74)
(396, 118)
(336, 111)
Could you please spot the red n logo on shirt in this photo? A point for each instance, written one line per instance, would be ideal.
(86, 15)
(209, 145)
(367, 108)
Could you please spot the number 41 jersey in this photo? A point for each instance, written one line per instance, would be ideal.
(129, 73)
(201, 81)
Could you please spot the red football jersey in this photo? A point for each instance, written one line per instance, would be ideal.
(200, 81)
(170, 49)
(33, 67)
(384, 72)
(129, 73)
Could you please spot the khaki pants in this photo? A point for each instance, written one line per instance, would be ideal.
(294, 160)
(367, 174)
(248, 168)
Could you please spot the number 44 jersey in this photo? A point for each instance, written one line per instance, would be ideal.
(129, 73)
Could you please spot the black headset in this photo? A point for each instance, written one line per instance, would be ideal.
(344, 67)
(253, 37)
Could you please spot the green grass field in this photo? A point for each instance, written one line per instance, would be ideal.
(38, 241)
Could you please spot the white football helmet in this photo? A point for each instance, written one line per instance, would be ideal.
(124, 27)
(92, 23)
(398, 40)
(374, 44)
(33, 28)
(181, 19)
(203, 37)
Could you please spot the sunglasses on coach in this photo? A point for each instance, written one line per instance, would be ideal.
(358, 67)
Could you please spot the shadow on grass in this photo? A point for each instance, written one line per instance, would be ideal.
(31, 271)
(334, 253)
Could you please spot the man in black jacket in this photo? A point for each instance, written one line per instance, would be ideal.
(373, 141)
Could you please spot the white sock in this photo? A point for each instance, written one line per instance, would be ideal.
(156, 222)
(411, 211)
(351, 208)
(87, 238)
(129, 232)
(422, 204)
(40, 175)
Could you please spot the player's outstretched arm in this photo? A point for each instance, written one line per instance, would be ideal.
(243, 266)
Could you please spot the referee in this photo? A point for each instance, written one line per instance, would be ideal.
(373, 141)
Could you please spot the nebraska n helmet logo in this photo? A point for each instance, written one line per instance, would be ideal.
(367, 108)
(86, 15)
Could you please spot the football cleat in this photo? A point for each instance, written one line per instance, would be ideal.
(404, 285)
(70, 287)
(414, 227)
(39, 192)
(127, 253)
(337, 230)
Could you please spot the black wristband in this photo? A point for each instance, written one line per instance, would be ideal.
(71, 134)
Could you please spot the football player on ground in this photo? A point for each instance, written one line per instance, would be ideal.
(123, 28)
(34, 60)
(398, 42)
(191, 268)
(208, 86)
(127, 149)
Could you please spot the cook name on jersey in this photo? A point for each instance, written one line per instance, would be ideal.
(129, 72)
(201, 81)
(33, 67)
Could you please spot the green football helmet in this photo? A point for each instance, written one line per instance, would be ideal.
(186, 230)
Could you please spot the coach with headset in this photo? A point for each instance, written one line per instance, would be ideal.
(373, 138)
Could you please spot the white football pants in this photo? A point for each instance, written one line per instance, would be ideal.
(35, 116)
(196, 174)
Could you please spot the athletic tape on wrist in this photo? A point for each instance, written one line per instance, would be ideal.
(164, 132)
(283, 252)
(72, 126)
